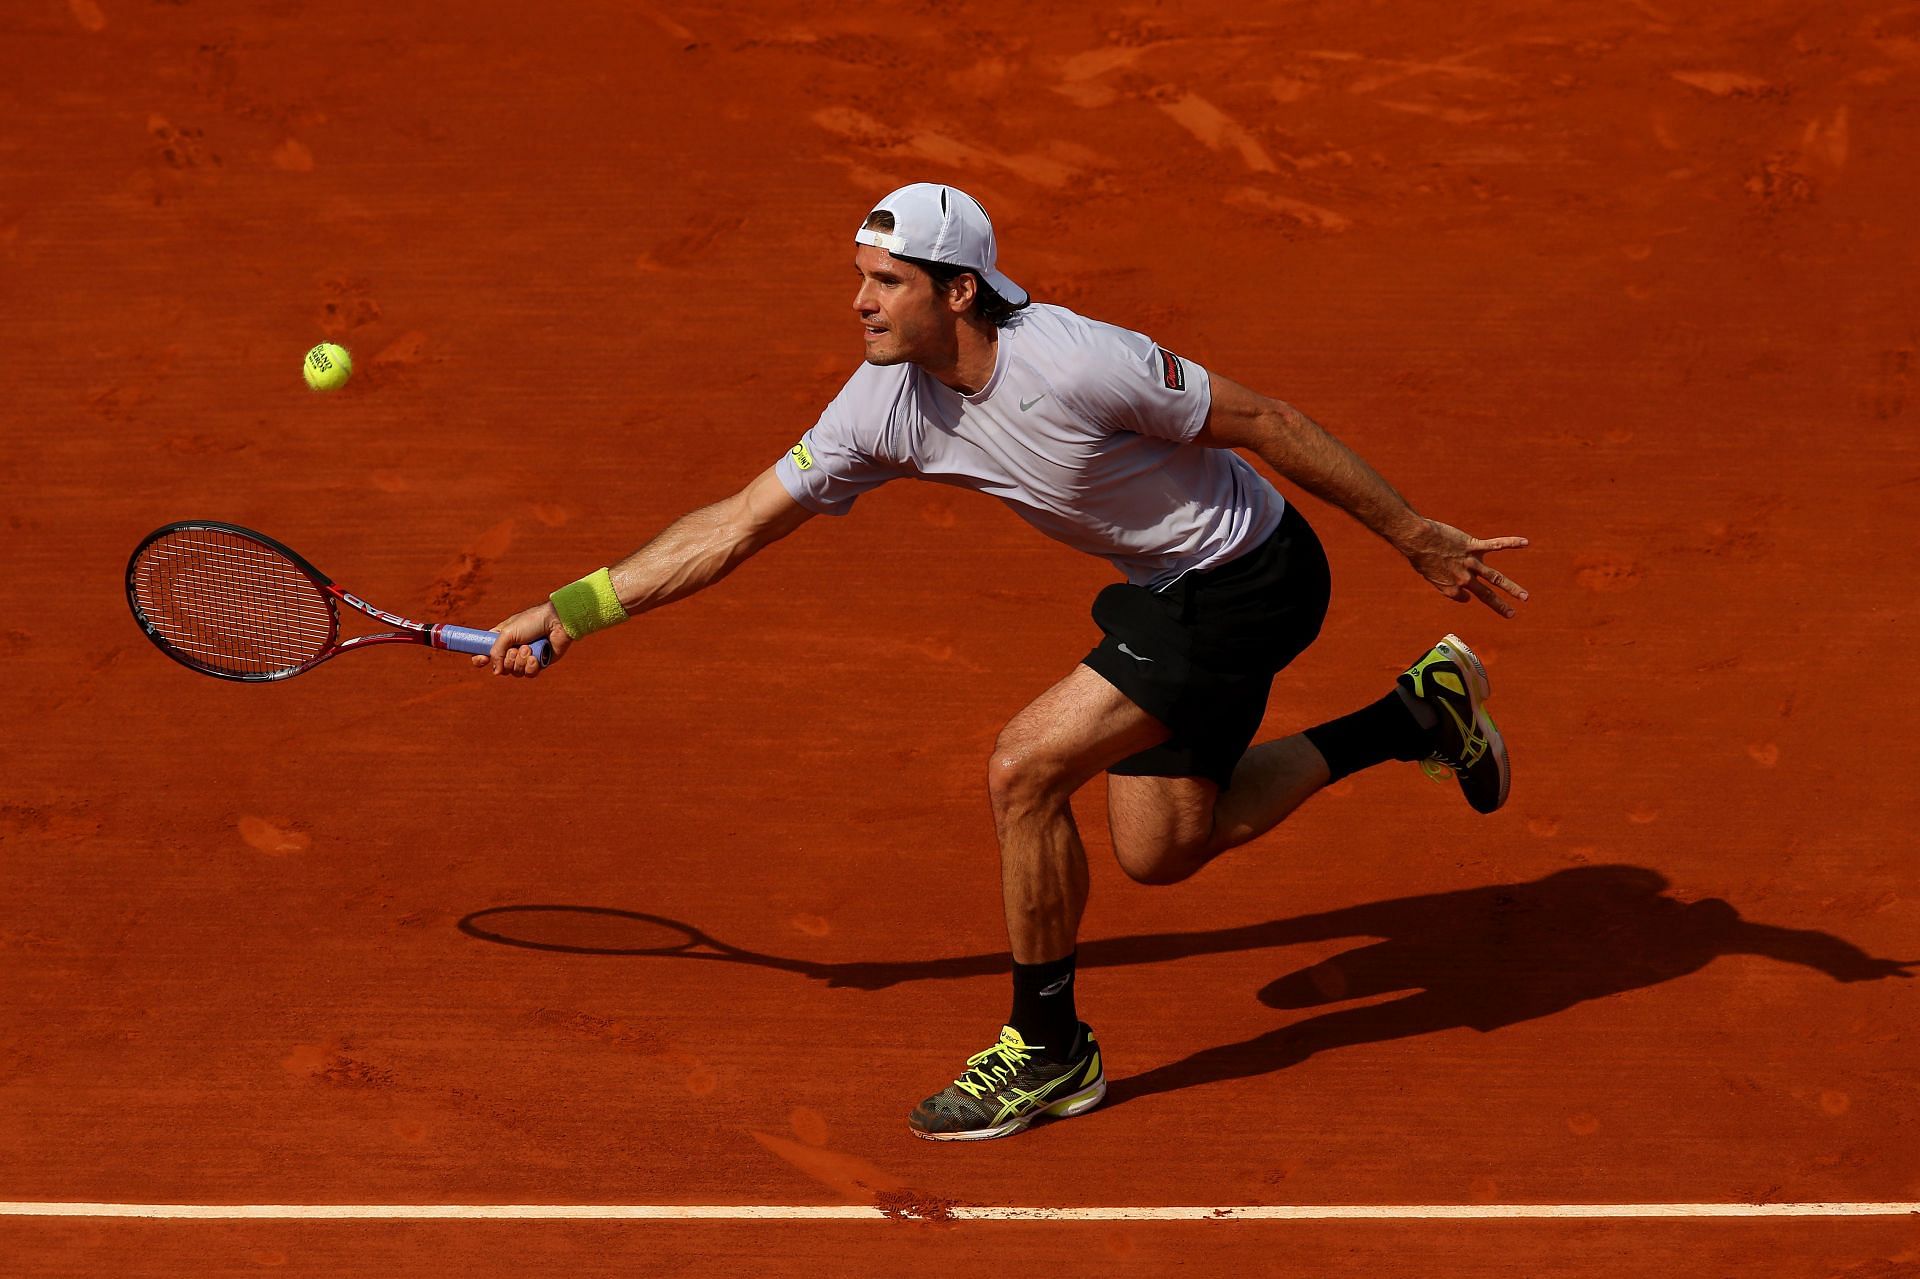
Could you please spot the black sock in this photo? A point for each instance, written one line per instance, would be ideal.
(1043, 1010)
(1391, 728)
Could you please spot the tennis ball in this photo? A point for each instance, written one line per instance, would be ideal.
(327, 367)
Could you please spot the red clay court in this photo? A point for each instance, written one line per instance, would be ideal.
(1627, 277)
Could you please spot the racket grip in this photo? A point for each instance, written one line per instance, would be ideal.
(463, 639)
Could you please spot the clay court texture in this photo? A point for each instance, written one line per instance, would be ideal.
(1633, 278)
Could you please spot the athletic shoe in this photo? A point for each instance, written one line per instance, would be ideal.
(1451, 682)
(1009, 1086)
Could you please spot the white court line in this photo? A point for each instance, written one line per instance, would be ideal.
(854, 1212)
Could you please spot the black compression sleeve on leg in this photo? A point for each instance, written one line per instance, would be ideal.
(1371, 735)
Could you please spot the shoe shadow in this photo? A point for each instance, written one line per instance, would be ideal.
(1483, 957)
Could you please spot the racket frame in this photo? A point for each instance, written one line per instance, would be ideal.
(431, 634)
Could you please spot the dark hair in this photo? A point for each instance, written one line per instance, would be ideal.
(987, 304)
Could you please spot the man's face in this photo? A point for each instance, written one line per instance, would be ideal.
(902, 317)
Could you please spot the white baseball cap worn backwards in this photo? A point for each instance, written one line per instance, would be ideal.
(936, 223)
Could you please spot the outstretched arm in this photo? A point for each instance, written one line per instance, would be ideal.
(1293, 444)
(1837, 957)
(690, 554)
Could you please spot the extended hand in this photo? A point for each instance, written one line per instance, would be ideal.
(1868, 968)
(1452, 561)
(511, 654)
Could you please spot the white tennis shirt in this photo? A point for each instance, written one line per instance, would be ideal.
(1084, 429)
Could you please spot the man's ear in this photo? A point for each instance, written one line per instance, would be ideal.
(961, 293)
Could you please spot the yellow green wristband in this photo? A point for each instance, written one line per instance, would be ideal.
(588, 605)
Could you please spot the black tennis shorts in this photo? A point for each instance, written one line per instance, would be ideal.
(1200, 654)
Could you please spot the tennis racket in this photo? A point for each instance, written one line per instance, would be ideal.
(235, 604)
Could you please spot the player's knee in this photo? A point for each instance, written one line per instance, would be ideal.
(1159, 864)
(1021, 778)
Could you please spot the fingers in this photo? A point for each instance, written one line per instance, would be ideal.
(512, 652)
(1488, 596)
(1457, 570)
(507, 657)
(521, 663)
(1496, 578)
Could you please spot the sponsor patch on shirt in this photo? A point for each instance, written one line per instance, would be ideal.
(802, 458)
(1176, 373)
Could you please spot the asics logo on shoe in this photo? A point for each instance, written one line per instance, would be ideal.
(1135, 656)
(1022, 1101)
(1473, 743)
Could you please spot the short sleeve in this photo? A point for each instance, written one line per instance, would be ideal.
(835, 461)
(1129, 382)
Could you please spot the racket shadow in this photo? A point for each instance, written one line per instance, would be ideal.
(1484, 957)
(629, 934)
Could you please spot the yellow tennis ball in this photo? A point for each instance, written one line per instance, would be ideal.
(327, 367)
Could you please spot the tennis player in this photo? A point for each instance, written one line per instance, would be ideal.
(1120, 448)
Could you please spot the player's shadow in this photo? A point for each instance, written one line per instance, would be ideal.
(1493, 956)
(1482, 957)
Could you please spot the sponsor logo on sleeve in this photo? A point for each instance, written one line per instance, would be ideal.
(801, 457)
(1174, 372)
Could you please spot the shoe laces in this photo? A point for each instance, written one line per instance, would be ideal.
(1437, 769)
(993, 1069)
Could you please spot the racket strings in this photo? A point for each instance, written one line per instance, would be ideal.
(231, 604)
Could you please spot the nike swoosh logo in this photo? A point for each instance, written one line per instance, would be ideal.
(1027, 404)
(1135, 656)
(1057, 987)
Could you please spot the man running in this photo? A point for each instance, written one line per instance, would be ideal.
(1117, 447)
